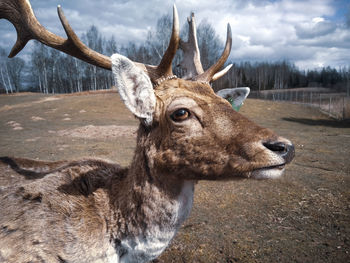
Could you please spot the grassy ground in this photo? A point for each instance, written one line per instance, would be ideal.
(302, 217)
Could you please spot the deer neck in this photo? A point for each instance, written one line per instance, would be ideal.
(152, 207)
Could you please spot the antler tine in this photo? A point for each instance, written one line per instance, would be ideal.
(221, 73)
(164, 68)
(75, 47)
(212, 73)
(191, 62)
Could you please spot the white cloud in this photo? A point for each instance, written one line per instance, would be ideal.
(302, 31)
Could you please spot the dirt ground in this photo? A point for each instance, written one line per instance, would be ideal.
(302, 217)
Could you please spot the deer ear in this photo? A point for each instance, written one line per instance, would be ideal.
(135, 88)
(236, 96)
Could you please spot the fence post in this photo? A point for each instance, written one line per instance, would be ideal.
(311, 98)
(329, 105)
(343, 108)
(320, 101)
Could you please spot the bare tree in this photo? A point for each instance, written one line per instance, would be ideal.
(158, 39)
(209, 44)
(12, 70)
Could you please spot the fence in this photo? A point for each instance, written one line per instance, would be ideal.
(336, 105)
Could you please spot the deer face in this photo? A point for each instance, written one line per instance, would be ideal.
(198, 135)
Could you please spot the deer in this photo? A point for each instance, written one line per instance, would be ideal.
(94, 210)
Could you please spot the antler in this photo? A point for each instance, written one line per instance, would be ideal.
(191, 62)
(21, 15)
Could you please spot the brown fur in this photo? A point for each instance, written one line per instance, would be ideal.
(78, 211)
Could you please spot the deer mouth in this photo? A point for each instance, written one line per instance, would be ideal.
(279, 166)
(273, 171)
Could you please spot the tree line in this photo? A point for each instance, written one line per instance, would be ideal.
(283, 75)
(50, 71)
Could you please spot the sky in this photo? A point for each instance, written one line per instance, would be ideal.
(310, 33)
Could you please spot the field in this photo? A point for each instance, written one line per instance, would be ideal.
(302, 217)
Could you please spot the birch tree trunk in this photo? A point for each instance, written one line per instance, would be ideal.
(3, 81)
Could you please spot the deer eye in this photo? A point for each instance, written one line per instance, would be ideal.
(180, 115)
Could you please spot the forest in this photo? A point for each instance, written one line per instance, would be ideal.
(49, 71)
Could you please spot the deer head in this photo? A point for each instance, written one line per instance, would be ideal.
(191, 132)
(186, 129)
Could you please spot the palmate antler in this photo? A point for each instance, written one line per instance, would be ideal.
(191, 59)
(21, 15)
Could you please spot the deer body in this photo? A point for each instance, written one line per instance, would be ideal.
(96, 211)
(89, 226)
(112, 214)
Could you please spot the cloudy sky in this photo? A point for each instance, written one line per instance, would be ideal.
(309, 33)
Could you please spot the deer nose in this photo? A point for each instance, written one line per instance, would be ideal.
(285, 150)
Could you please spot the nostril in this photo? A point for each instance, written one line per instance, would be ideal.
(276, 146)
(286, 151)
